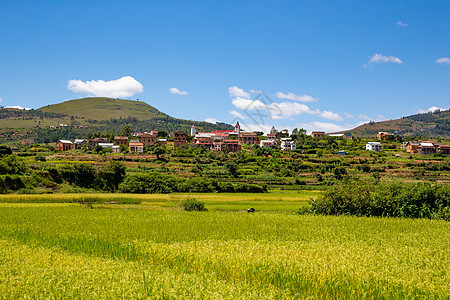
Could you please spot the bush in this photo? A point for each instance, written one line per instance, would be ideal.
(372, 198)
(194, 205)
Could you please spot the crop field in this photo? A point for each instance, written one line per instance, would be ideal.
(147, 247)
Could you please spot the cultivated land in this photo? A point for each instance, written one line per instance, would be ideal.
(156, 250)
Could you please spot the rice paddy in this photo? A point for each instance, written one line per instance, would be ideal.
(150, 248)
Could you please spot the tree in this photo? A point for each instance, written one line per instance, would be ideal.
(5, 150)
(339, 173)
(158, 151)
(232, 168)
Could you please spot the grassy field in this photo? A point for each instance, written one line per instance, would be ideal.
(155, 250)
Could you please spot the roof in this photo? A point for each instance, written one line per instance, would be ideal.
(65, 141)
(248, 133)
(80, 141)
(106, 144)
(136, 144)
(444, 146)
(426, 145)
(180, 132)
(374, 143)
(121, 138)
(231, 141)
(222, 131)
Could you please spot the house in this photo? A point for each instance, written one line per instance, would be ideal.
(385, 136)
(374, 146)
(268, 143)
(116, 149)
(209, 145)
(403, 145)
(120, 140)
(287, 144)
(444, 149)
(427, 148)
(148, 138)
(180, 138)
(64, 145)
(80, 143)
(271, 136)
(412, 147)
(135, 146)
(231, 145)
(248, 138)
(94, 142)
(162, 141)
(317, 134)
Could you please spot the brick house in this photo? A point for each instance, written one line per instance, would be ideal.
(444, 149)
(64, 145)
(412, 147)
(317, 134)
(180, 138)
(427, 148)
(231, 145)
(248, 138)
(135, 146)
(121, 140)
(148, 138)
(385, 136)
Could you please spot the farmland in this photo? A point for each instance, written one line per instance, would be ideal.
(142, 246)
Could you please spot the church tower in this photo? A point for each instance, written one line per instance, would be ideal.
(193, 130)
(237, 128)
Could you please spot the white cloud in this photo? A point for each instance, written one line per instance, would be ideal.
(234, 91)
(126, 86)
(400, 23)
(443, 60)
(255, 91)
(331, 115)
(211, 120)
(256, 127)
(350, 116)
(237, 115)
(177, 91)
(431, 109)
(282, 110)
(17, 107)
(294, 97)
(364, 117)
(323, 126)
(381, 59)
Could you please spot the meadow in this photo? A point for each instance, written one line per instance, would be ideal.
(148, 247)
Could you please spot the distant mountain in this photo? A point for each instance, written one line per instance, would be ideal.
(427, 125)
(98, 114)
(101, 108)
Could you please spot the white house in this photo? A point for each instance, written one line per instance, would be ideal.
(374, 146)
(268, 143)
(287, 144)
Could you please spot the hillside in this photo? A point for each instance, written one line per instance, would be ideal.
(426, 125)
(104, 109)
(98, 114)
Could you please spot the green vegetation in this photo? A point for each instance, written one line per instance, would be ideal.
(372, 198)
(69, 251)
(193, 204)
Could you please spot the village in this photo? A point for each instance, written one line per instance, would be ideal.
(232, 141)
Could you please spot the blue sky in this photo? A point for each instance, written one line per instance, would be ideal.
(321, 65)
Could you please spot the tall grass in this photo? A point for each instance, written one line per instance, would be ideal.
(66, 250)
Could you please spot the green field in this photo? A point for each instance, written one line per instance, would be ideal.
(145, 246)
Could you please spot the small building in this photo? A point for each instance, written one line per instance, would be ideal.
(248, 138)
(317, 134)
(268, 143)
(444, 149)
(385, 136)
(64, 145)
(403, 145)
(148, 138)
(80, 143)
(120, 140)
(94, 142)
(231, 145)
(287, 144)
(135, 146)
(180, 138)
(342, 152)
(374, 146)
(193, 130)
(271, 136)
(427, 148)
(116, 149)
(412, 147)
(162, 141)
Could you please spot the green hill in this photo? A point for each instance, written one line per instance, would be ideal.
(104, 109)
(427, 125)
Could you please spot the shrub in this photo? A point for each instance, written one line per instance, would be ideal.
(194, 205)
(372, 198)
